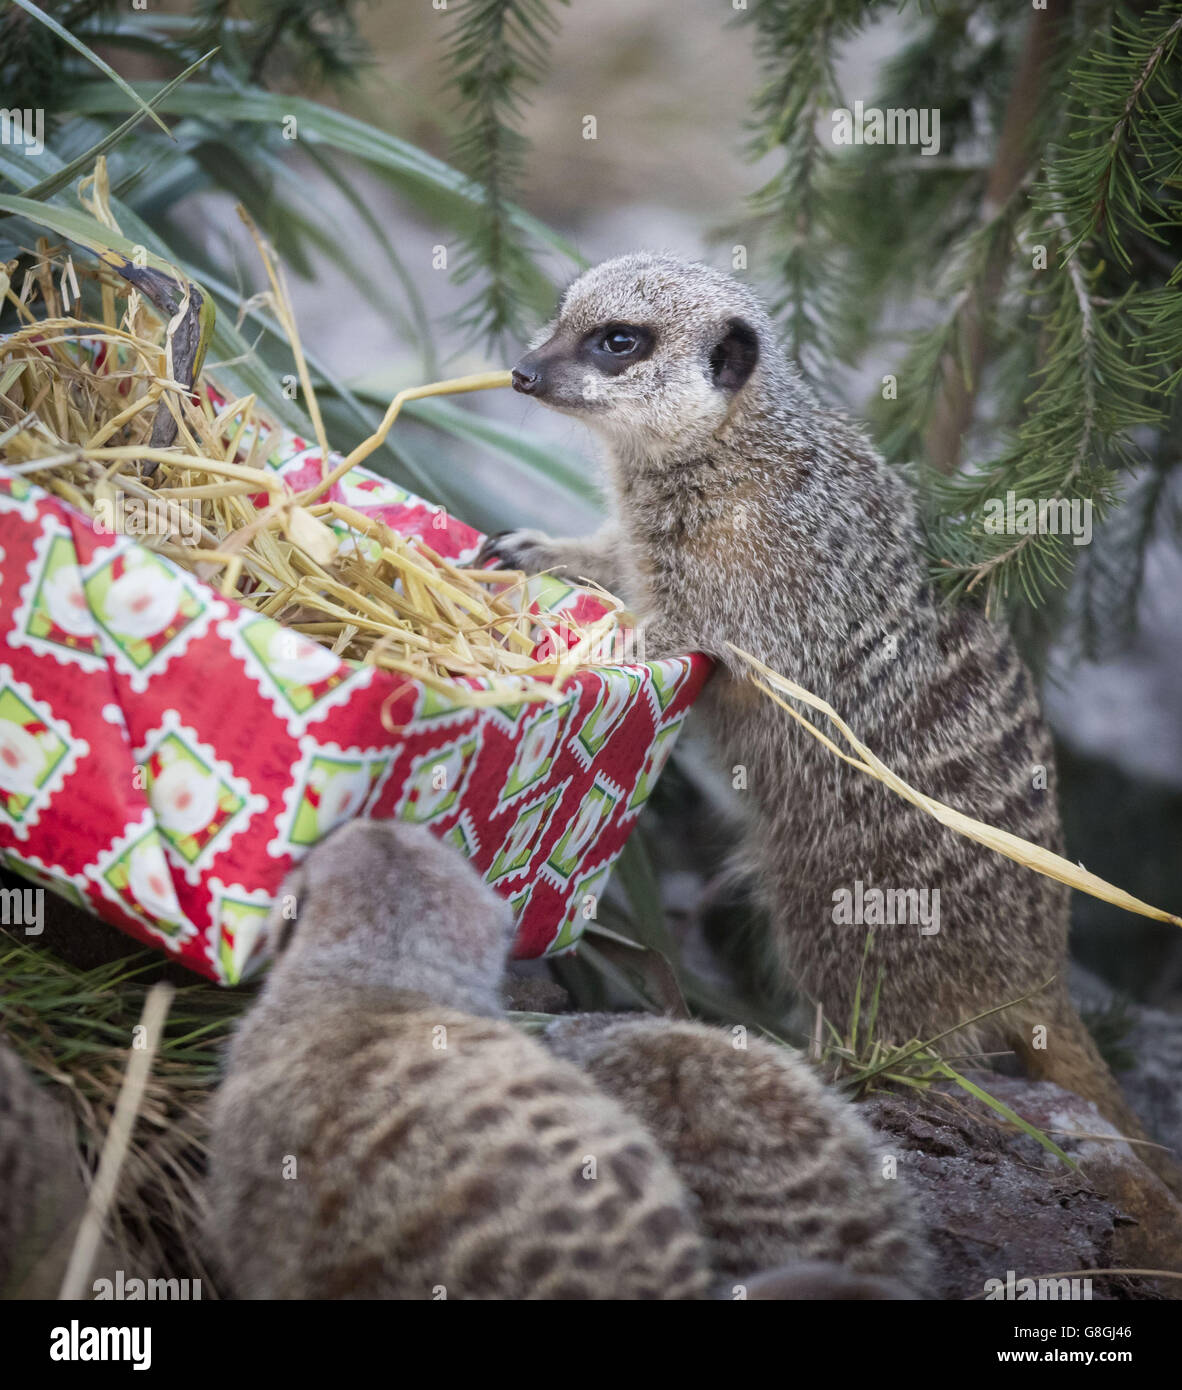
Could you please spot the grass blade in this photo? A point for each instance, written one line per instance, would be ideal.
(1007, 1114)
(85, 161)
(92, 57)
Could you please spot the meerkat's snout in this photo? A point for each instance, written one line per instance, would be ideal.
(526, 377)
(538, 371)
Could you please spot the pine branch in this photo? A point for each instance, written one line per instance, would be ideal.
(1016, 152)
(1127, 137)
(1094, 392)
(949, 347)
(901, 211)
(795, 43)
(1113, 568)
(1100, 334)
(498, 53)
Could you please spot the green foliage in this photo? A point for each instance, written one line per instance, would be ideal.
(1074, 435)
(1043, 245)
(315, 41)
(497, 53)
(73, 1028)
(796, 44)
(1110, 1027)
(858, 1060)
(228, 135)
(1116, 176)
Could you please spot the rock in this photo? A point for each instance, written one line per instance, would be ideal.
(994, 1200)
(1153, 1044)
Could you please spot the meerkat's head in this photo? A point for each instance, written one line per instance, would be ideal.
(386, 903)
(651, 350)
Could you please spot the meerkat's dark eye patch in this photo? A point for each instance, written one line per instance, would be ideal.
(733, 357)
(616, 346)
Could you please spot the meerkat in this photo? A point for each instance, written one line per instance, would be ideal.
(743, 512)
(42, 1194)
(381, 1132)
(786, 1175)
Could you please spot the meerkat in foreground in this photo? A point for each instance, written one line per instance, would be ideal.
(743, 512)
(382, 1133)
(42, 1195)
(784, 1172)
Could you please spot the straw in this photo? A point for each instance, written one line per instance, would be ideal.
(78, 399)
(1021, 851)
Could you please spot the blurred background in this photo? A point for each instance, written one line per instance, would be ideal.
(425, 172)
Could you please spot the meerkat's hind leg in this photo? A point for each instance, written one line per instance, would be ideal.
(1072, 1060)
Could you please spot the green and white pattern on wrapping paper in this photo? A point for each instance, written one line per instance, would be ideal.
(31, 760)
(437, 780)
(589, 888)
(59, 572)
(173, 750)
(620, 689)
(595, 810)
(515, 853)
(100, 584)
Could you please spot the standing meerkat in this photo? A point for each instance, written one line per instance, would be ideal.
(382, 1133)
(785, 1173)
(744, 512)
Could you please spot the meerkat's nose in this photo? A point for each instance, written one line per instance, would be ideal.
(526, 378)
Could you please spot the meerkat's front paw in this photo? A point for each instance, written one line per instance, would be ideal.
(531, 551)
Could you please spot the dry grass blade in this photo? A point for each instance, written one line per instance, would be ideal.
(1021, 851)
(78, 398)
(72, 1027)
(102, 1192)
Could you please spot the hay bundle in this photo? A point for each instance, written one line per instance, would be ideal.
(81, 403)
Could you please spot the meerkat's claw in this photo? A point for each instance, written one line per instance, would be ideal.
(524, 549)
(490, 550)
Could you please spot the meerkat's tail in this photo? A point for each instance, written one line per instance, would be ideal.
(1071, 1059)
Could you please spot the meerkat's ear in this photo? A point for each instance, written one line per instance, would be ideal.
(733, 357)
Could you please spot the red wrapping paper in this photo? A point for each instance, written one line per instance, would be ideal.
(166, 755)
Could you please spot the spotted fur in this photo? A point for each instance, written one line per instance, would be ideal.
(785, 1173)
(382, 1133)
